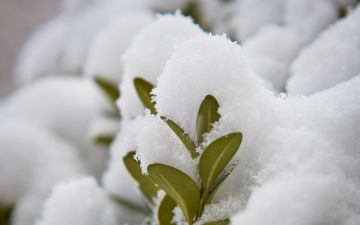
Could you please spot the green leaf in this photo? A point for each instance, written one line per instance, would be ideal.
(110, 89)
(216, 189)
(130, 205)
(224, 222)
(104, 140)
(165, 211)
(146, 185)
(216, 156)
(5, 214)
(184, 137)
(207, 116)
(143, 89)
(179, 186)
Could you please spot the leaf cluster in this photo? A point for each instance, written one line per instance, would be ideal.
(181, 190)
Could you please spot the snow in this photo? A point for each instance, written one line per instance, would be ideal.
(64, 105)
(109, 44)
(40, 55)
(214, 65)
(331, 59)
(200, 67)
(221, 210)
(108, 126)
(271, 61)
(156, 143)
(32, 162)
(156, 42)
(251, 15)
(83, 200)
(62, 44)
(305, 185)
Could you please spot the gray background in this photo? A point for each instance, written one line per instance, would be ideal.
(18, 18)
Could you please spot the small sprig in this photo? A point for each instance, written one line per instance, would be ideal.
(181, 190)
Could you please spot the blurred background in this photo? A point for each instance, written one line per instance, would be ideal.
(18, 18)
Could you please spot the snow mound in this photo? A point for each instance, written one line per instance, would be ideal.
(64, 105)
(32, 162)
(147, 55)
(104, 57)
(271, 61)
(331, 59)
(250, 16)
(79, 202)
(62, 44)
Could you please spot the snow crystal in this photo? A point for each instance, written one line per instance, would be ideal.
(64, 105)
(331, 59)
(148, 53)
(79, 202)
(109, 44)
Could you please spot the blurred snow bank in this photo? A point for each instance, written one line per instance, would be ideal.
(32, 161)
(82, 199)
(62, 44)
(65, 106)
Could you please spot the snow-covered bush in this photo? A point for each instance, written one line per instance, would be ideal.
(150, 112)
(87, 203)
(32, 161)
